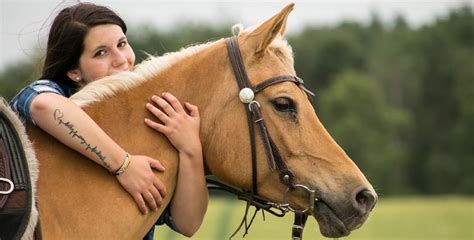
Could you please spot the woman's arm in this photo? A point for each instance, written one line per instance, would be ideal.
(67, 122)
(189, 203)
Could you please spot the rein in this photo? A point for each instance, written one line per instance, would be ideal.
(274, 159)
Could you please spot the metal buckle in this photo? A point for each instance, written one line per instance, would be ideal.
(253, 102)
(299, 80)
(300, 84)
(312, 198)
(12, 186)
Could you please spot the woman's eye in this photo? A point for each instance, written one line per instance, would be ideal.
(283, 104)
(99, 53)
(122, 44)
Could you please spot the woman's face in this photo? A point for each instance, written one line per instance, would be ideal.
(106, 51)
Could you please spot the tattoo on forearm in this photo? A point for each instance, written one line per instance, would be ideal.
(58, 116)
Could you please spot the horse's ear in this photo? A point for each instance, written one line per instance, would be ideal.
(262, 36)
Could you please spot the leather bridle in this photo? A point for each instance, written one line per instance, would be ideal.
(275, 161)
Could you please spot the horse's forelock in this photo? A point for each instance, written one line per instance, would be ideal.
(283, 49)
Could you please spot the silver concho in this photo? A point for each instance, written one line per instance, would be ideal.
(246, 95)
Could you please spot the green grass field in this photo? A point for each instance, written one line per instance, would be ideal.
(393, 218)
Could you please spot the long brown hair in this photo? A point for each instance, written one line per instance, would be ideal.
(66, 38)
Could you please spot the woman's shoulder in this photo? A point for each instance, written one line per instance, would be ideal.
(46, 85)
(22, 101)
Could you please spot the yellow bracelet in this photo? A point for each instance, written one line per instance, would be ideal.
(124, 166)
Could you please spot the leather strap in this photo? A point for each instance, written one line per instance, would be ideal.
(285, 78)
(243, 82)
(258, 119)
(237, 63)
(298, 225)
(274, 158)
(18, 171)
(253, 112)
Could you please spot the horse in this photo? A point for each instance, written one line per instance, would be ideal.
(77, 199)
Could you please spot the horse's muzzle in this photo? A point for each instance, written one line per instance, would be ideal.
(336, 223)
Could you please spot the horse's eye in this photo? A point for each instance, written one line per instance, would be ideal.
(283, 104)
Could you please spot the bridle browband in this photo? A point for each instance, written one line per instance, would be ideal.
(275, 161)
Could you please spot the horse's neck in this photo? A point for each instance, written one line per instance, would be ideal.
(196, 79)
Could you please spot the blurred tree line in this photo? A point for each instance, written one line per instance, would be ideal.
(399, 100)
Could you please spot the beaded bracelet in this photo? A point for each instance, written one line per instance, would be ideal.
(124, 165)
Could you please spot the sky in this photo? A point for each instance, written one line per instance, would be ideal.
(24, 24)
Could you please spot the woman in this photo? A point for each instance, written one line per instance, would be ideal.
(87, 42)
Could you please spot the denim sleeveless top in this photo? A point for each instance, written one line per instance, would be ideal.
(22, 101)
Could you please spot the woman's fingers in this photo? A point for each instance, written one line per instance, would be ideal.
(173, 101)
(160, 187)
(141, 203)
(170, 112)
(157, 196)
(165, 106)
(144, 186)
(155, 164)
(157, 112)
(158, 127)
(150, 199)
(193, 110)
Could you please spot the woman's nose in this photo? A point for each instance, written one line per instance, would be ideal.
(119, 59)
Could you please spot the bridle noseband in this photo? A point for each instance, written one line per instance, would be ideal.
(275, 161)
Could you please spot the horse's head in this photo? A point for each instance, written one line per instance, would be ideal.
(343, 197)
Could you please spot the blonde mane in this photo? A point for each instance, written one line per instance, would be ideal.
(111, 85)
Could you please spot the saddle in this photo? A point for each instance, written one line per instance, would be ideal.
(16, 189)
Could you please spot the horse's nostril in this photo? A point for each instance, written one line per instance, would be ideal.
(365, 200)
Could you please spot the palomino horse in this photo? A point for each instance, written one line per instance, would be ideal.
(79, 200)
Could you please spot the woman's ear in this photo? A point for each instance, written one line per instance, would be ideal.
(75, 75)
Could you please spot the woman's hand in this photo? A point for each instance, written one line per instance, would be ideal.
(140, 182)
(181, 128)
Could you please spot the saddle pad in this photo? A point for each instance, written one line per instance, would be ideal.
(4, 173)
(15, 208)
